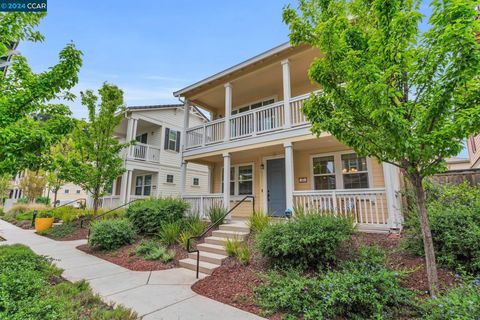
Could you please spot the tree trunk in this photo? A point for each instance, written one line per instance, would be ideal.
(431, 265)
(95, 204)
(55, 198)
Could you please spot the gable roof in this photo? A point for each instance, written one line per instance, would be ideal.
(194, 109)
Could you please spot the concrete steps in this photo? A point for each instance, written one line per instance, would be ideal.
(212, 251)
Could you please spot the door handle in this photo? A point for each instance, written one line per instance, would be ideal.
(268, 195)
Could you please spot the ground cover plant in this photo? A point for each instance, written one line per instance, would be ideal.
(153, 250)
(31, 288)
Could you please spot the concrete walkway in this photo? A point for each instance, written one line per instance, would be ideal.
(162, 294)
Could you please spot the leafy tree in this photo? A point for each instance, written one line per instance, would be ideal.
(33, 184)
(391, 91)
(29, 124)
(94, 161)
(5, 181)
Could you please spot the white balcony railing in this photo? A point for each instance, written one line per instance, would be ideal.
(201, 204)
(366, 206)
(247, 124)
(145, 152)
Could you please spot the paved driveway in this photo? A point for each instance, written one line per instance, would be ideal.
(162, 294)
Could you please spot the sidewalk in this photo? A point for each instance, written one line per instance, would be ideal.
(158, 295)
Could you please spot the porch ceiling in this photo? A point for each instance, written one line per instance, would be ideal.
(260, 80)
(314, 145)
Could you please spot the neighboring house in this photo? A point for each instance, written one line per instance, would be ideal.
(153, 163)
(474, 151)
(67, 193)
(259, 143)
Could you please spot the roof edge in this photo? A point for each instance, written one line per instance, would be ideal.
(236, 67)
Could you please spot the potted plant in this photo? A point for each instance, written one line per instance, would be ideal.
(43, 221)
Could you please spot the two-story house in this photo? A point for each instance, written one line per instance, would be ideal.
(153, 163)
(258, 142)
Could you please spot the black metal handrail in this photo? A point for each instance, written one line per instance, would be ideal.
(214, 225)
(103, 214)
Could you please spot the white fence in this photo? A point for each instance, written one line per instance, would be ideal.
(366, 206)
(200, 204)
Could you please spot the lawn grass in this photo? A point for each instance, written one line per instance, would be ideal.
(31, 288)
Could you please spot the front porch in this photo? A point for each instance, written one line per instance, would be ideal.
(312, 174)
(132, 185)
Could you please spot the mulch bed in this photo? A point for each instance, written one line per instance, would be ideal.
(125, 257)
(233, 283)
(79, 234)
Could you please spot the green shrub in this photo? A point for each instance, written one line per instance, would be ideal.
(22, 200)
(356, 291)
(115, 214)
(43, 200)
(243, 254)
(194, 225)
(457, 303)
(22, 208)
(455, 231)
(59, 231)
(216, 214)
(306, 241)
(45, 214)
(231, 246)
(184, 236)
(258, 221)
(169, 232)
(152, 250)
(148, 215)
(111, 234)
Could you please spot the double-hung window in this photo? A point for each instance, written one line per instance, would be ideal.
(172, 140)
(143, 185)
(241, 180)
(340, 171)
(324, 173)
(354, 171)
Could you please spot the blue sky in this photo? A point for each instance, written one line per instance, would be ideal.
(151, 48)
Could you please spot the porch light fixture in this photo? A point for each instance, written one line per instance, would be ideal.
(262, 166)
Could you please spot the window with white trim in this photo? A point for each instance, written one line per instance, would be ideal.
(78, 191)
(342, 171)
(241, 180)
(169, 178)
(196, 181)
(254, 105)
(66, 191)
(143, 185)
(324, 173)
(354, 171)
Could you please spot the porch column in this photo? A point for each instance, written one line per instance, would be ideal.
(228, 109)
(186, 120)
(289, 175)
(392, 188)
(159, 176)
(123, 187)
(287, 92)
(128, 191)
(226, 182)
(183, 177)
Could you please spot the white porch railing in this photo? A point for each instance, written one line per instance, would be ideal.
(247, 124)
(296, 105)
(146, 152)
(200, 204)
(133, 197)
(110, 202)
(366, 206)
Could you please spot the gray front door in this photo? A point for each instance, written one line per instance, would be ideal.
(276, 187)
